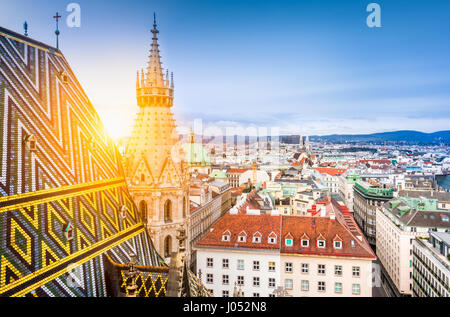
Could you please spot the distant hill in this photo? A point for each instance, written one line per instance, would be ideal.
(407, 136)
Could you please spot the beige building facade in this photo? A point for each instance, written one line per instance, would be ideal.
(326, 276)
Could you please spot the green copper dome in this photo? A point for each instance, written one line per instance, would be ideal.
(218, 174)
(196, 154)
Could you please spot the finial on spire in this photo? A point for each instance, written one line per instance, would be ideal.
(137, 79)
(155, 30)
(56, 17)
(25, 27)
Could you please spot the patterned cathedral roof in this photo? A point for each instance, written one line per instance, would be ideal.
(64, 202)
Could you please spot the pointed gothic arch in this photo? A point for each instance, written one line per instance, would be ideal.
(168, 211)
(143, 211)
(168, 246)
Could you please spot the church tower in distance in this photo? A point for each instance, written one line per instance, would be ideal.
(157, 176)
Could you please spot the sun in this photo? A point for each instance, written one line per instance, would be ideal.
(116, 125)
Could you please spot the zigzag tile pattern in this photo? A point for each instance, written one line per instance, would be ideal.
(71, 177)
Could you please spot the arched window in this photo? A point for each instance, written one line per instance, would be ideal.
(168, 211)
(142, 178)
(184, 207)
(143, 211)
(167, 246)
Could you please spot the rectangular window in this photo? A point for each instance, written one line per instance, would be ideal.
(225, 294)
(225, 279)
(288, 242)
(305, 285)
(305, 268)
(356, 290)
(209, 278)
(209, 262)
(288, 267)
(255, 294)
(240, 280)
(355, 271)
(338, 287)
(305, 243)
(255, 265)
(321, 286)
(288, 284)
(271, 282)
(321, 269)
(271, 266)
(338, 270)
(225, 263)
(240, 264)
(256, 281)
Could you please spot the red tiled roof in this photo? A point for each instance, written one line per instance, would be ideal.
(331, 171)
(382, 161)
(251, 224)
(317, 228)
(237, 170)
(342, 228)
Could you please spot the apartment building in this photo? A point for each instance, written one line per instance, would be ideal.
(330, 177)
(367, 199)
(345, 189)
(325, 255)
(399, 222)
(442, 197)
(233, 176)
(242, 251)
(431, 263)
(208, 202)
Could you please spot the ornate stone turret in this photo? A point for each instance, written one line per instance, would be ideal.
(154, 90)
(156, 172)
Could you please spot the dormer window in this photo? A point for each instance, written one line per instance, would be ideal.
(257, 238)
(30, 142)
(68, 232)
(321, 244)
(289, 240)
(272, 238)
(226, 236)
(337, 242)
(305, 241)
(123, 212)
(242, 237)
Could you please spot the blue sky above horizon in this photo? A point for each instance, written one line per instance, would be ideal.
(308, 67)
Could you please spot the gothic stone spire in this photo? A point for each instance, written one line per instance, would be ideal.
(154, 69)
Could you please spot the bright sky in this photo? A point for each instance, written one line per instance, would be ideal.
(309, 67)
